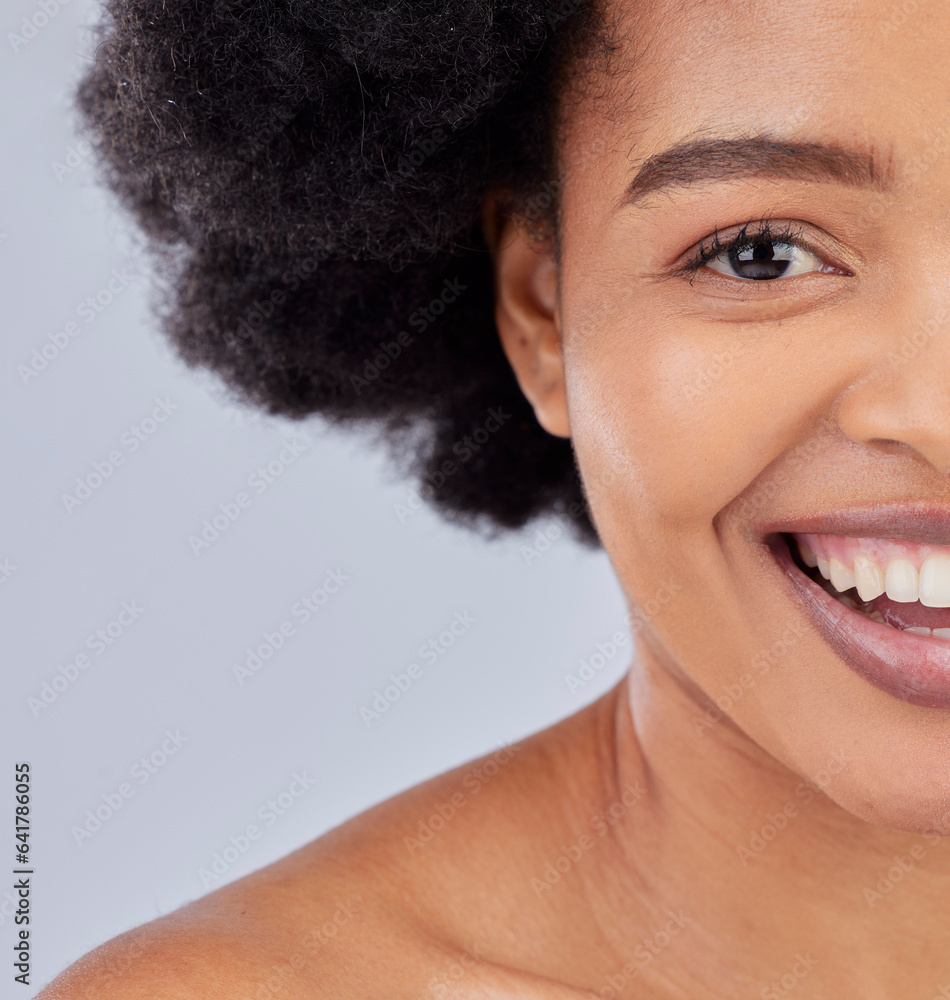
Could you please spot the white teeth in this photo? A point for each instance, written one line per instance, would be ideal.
(917, 629)
(900, 581)
(807, 556)
(941, 633)
(841, 577)
(868, 578)
(935, 582)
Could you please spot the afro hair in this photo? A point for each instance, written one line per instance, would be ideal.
(310, 176)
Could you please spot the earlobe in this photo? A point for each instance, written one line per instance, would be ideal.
(528, 318)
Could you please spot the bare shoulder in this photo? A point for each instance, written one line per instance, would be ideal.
(411, 899)
(177, 963)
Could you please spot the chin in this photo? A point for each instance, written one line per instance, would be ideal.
(912, 807)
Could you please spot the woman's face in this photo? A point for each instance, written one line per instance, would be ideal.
(712, 410)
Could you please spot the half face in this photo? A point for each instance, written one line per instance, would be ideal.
(753, 321)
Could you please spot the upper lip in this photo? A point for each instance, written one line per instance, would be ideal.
(928, 524)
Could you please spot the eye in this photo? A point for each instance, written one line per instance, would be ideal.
(762, 260)
(763, 255)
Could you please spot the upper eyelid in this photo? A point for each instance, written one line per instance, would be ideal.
(788, 231)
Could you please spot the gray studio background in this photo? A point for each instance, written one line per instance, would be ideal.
(178, 620)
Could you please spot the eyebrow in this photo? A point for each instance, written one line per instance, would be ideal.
(757, 156)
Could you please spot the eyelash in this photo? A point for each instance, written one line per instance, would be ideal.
(764, 233)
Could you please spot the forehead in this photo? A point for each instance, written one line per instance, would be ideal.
(863, 73)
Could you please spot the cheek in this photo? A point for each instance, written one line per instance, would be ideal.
(672, 420)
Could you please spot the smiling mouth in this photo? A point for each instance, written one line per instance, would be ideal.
(883, 607)
(884, 586)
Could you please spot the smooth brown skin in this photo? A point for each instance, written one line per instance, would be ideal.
(810, 411)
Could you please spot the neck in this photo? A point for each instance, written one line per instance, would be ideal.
(772, 881)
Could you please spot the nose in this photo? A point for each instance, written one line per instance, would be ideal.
(904, 402)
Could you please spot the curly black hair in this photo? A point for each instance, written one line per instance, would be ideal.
(310, 174)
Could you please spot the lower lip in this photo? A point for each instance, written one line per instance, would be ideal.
(914, 668)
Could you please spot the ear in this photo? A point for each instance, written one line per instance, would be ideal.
(527, 314)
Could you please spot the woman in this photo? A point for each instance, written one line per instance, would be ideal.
(689, 258)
